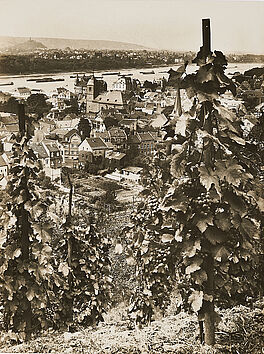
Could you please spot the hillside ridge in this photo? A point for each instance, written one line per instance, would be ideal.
(62, 43)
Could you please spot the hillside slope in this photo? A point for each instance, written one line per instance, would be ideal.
(62, 43)
(240, 331)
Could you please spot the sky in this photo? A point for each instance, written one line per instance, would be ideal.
(236, 25)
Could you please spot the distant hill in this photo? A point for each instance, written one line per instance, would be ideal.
(28, 46)
(60, 43)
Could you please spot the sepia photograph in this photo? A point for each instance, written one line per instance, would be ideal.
(132, 176)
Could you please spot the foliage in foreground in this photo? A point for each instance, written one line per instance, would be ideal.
(25, 268)
(201, 219)
(83, 265)
(45, 283)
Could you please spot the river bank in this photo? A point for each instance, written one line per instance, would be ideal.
(69, 81)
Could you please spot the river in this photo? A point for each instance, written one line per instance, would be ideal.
(68, 81)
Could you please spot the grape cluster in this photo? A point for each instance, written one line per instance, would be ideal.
(153, 203)
(203, 203)
(190, 188)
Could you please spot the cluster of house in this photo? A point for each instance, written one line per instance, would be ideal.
(122, 123)
(250, 85)
(59, 143)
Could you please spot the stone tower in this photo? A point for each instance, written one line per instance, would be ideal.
(91, 89)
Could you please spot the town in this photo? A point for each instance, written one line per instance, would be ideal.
(108, 130)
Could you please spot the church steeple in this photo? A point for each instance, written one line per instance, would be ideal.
(91, 89)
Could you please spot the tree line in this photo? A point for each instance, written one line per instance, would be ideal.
(26, 64)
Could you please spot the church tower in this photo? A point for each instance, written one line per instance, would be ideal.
(91, 93)
(91, 89)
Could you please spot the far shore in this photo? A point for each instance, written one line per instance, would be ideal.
(58, 72)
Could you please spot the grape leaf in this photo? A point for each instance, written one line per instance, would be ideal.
(226, 113)
(222, 221)
(194, 266)
(258, 199)
(215, 235)
(118, 248)
(208, 178)
(177, 202)
(191, 247)
(30, 294)
(205, 73)
(167, 238)
(229, 170)
(203, 223)
(220, 252)
(196, 300)
(181, 124)
(199, 277)
(16, 253)
(236, 202)
(64, 268)
(178, 161)
(249, 228)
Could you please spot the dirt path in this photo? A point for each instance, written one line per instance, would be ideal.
(240, 332)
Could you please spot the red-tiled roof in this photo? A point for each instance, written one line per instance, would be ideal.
(12, 128)
(39, 150)
(111, 97)
(117, 133)
(23, 90)
(12, 119)
(147, 136)
(103, 135)
(96, 143)
(2, 162)
(115, 155)
(71, 132)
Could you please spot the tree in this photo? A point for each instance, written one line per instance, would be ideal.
(110, 122)
(72, 106)
(10, 106)
(37, 104)
(201, 219)
(84, 128)
(150, 85)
